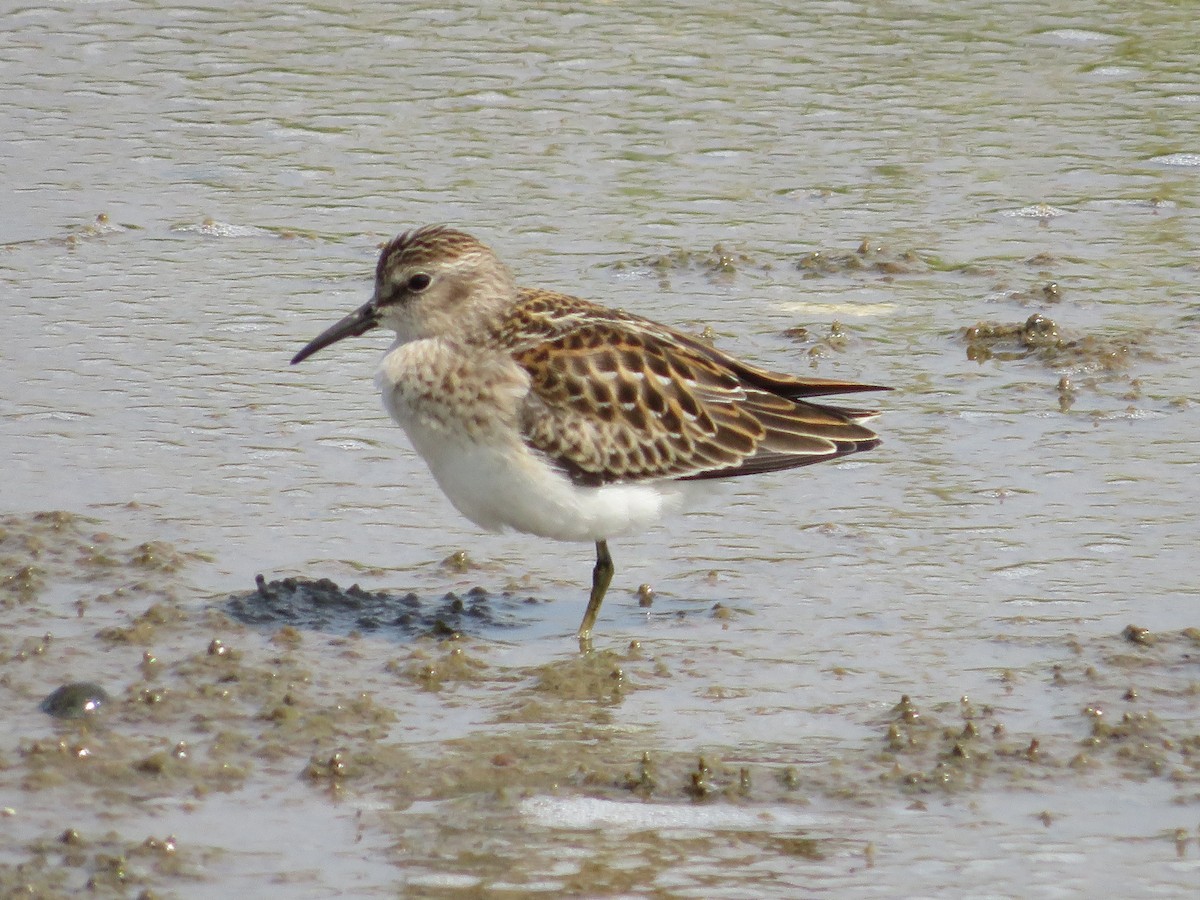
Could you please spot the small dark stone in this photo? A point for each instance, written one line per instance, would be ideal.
(75, 700)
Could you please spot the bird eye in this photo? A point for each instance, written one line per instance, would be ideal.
(419, 282)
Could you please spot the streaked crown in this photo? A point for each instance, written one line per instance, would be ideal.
(428, 245)
(438, 280)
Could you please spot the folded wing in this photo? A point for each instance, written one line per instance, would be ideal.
(619, 399)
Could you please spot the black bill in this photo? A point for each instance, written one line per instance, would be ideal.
(358, 322)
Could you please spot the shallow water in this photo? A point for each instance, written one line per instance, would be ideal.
(947, 166)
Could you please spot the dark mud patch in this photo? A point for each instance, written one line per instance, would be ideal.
(104, 865)
(720, 265)
(64, 549)
(870, 258)
(1092, 362)
(723, 264)
(1043, 340)
(321, 605)
(1041, 293)
(821, 344)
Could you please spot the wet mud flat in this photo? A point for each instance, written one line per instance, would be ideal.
(165, 743)
(994, 215)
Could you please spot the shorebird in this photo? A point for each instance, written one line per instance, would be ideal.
(555, 416)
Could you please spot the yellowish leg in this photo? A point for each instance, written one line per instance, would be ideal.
(601, 578)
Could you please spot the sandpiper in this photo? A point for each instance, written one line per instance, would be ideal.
(562, 418)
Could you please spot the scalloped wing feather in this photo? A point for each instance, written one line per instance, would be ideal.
(617, 398)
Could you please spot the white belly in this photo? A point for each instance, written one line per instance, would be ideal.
(509, 486)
